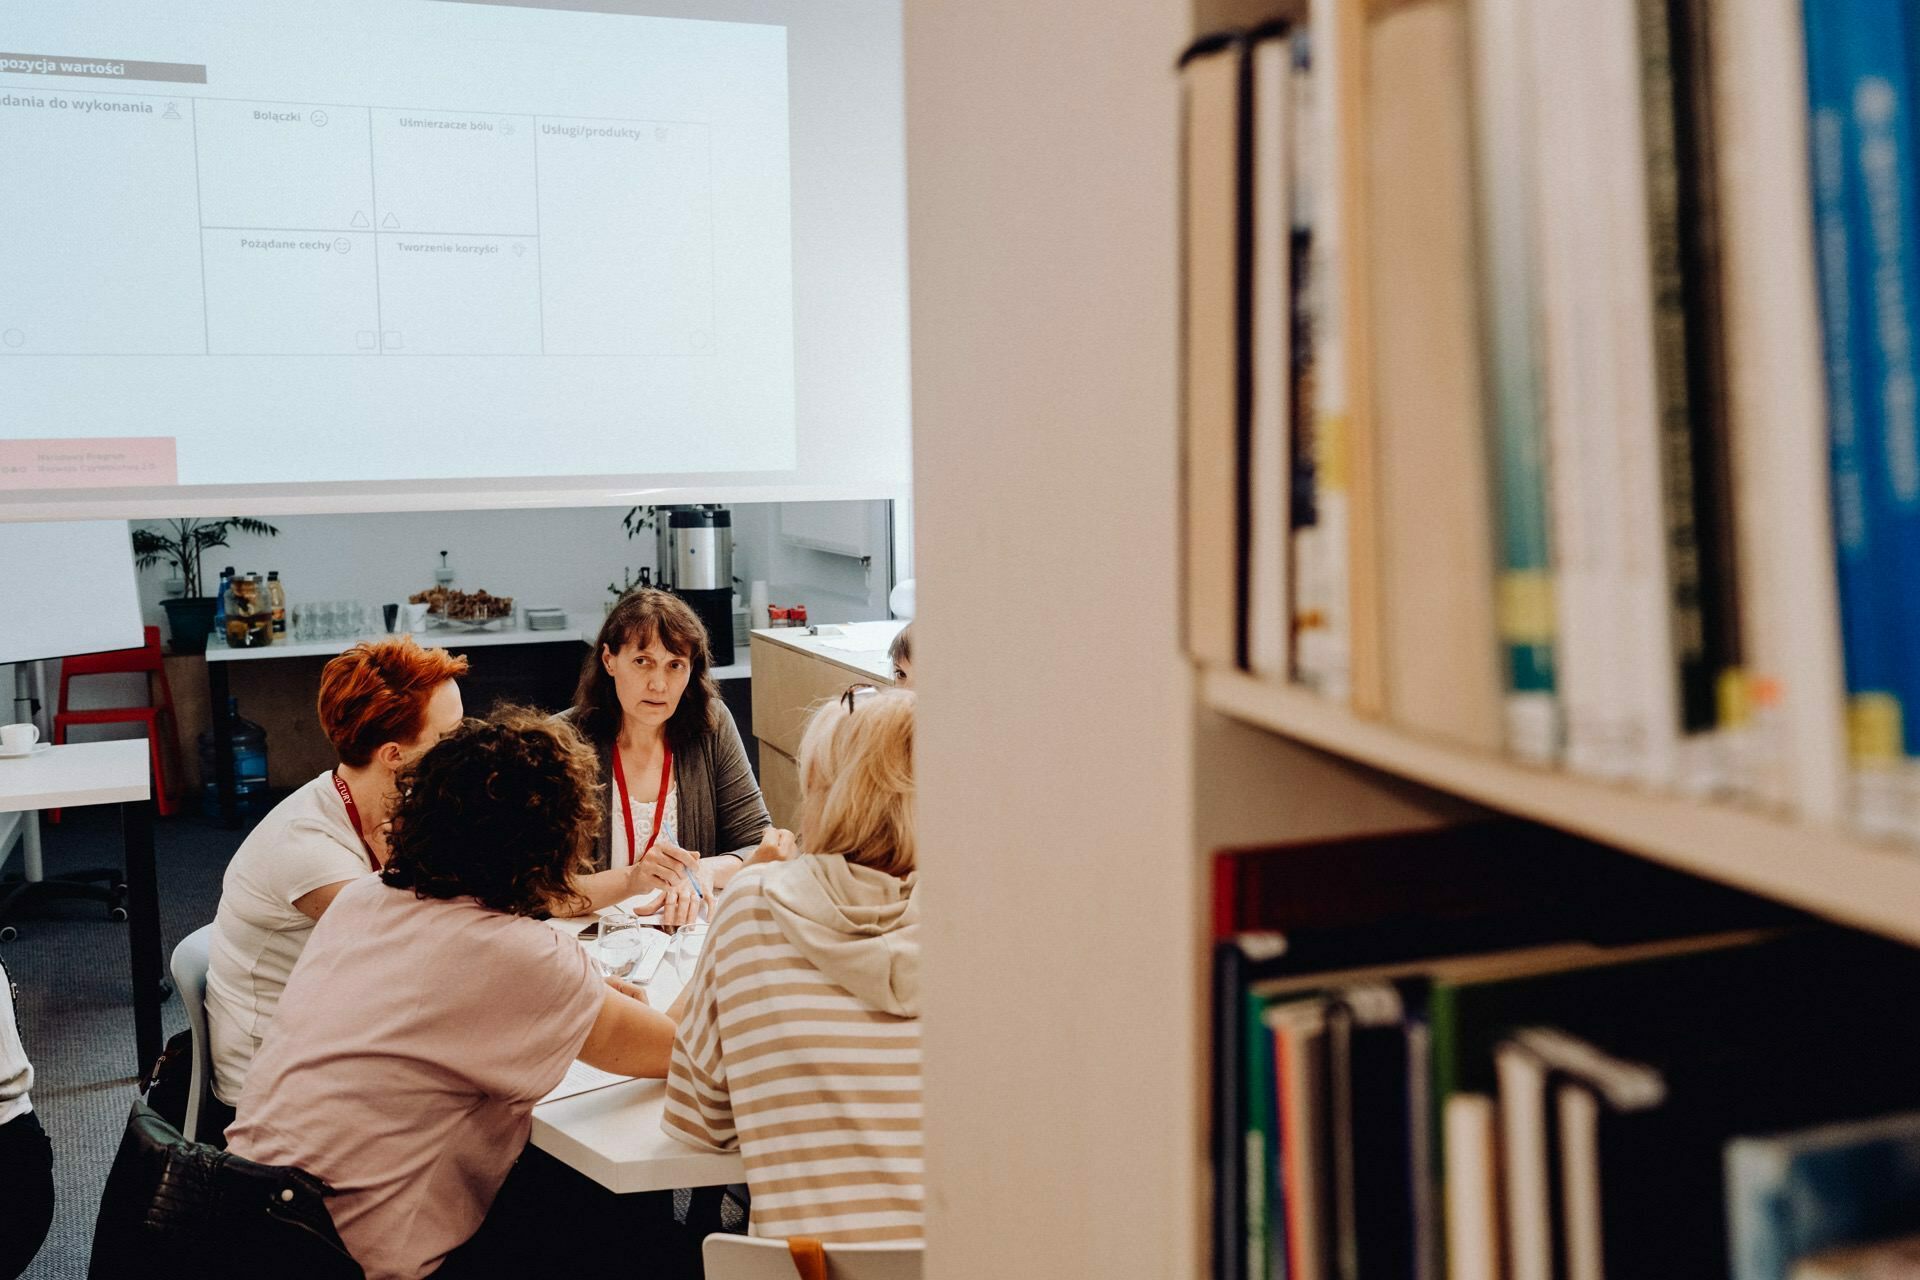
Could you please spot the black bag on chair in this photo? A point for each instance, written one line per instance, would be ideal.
(170, 1080)
(179, 1210)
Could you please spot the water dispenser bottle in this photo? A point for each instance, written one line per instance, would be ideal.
(249, 767)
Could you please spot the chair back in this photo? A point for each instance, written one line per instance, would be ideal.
(189, 967)
(752, 1258)
(147, 658)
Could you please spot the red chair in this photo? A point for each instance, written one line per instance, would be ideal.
(145, 660)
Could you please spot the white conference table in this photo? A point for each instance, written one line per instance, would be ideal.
(613, 1135)
(84, 773)
(583, 627)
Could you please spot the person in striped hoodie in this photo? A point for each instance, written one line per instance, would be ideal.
(799, 1035)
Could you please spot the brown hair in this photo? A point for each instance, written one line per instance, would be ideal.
(856, 779)
(901, 650)
(377, 693)
(640, 617)
(504, 810)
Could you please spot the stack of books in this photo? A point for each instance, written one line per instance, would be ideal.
(1550, 383)
(1536, 1080)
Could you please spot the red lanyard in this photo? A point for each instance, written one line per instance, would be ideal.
(353, 816)
(626, 808)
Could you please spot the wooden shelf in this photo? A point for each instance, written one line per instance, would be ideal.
(1858, 883)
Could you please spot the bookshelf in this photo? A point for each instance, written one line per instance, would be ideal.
(1848, 880)
(1070, 800)
(1678, 431)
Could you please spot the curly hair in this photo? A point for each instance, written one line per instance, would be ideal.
(503, 810)
(642, 616)
(377, 693)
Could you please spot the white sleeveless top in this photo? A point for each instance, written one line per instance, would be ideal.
(643, 822)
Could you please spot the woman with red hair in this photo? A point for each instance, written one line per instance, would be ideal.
(382, 704)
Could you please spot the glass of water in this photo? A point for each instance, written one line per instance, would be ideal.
(620, 944)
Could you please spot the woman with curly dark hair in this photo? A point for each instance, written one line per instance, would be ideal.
(432, 1008)
(684, 812)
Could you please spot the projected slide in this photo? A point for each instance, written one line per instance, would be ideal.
(392, 239)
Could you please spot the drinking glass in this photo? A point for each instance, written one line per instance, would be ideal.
(620, 944)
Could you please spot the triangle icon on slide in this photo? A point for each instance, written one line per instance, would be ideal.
(388, 221)
(360, 218)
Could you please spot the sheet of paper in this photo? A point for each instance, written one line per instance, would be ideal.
(862, 637)
(581, 1078)
(574, 926)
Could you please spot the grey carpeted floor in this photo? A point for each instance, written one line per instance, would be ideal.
(76, 1007)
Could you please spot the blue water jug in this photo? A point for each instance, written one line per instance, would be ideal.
(249, 767)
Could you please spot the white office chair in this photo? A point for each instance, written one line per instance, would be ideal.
(751, 1258)
(189, 967)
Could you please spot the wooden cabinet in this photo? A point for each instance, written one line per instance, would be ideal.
(793, 673)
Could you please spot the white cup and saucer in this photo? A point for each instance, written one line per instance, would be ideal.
(21, 739)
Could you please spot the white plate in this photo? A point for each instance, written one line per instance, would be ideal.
(34, 750)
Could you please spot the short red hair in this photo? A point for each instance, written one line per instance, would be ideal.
(377, 693)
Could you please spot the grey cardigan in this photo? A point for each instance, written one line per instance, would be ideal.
(720, 805)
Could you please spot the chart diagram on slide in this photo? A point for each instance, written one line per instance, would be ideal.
(148, 224)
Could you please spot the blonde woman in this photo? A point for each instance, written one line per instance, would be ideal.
(799, 1037)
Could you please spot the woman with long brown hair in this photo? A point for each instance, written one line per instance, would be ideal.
(683, 810)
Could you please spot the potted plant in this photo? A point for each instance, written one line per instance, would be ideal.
(181, 543)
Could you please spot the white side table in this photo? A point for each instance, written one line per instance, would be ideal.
(77, 774)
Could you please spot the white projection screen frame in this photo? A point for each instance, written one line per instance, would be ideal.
(849, 435)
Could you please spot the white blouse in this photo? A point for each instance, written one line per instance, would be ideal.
(643, 822)
(16, 1073)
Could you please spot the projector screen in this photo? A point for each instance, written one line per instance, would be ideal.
(286, 255)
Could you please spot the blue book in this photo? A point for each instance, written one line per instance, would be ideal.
(1789, 1195)
(1857, 50)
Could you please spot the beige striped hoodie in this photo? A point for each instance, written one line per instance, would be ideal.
(800, 1045)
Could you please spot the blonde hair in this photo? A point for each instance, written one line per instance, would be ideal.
(856, 780)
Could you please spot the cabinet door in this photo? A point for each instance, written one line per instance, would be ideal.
(787, 686)
(780, 787)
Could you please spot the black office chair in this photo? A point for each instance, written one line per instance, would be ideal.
(17, 893)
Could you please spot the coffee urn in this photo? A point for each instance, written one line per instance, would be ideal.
(701, 539)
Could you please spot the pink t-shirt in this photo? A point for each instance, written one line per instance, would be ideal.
(410, 1046)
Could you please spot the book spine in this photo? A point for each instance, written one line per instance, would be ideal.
(1874, 713)
(1574, 209)
(1243, 363)
(1213, 340)
(1671, 361)
(1360, 603)
(1257, 1058)
(1882, 100)
(1329, 662)
(1229, 1108)
(1309, 568)
(1268, 594)
(1277, 1246)
(1755, 1169)
(1525, 585)
(1703, 279)
(1620, 288)
(1778, 412)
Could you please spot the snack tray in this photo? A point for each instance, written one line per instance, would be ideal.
(442, 621)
